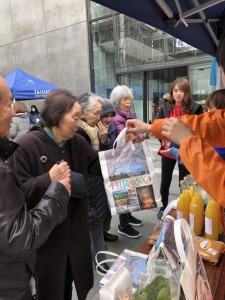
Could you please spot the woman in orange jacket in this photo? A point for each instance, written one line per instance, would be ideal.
(196, 150)
(196, 135)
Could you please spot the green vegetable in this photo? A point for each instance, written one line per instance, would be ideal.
(164, 293)
(158, 289)
(140, 295)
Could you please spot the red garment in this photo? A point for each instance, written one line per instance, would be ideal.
(178, 111)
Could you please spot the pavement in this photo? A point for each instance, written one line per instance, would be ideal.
(149, 218)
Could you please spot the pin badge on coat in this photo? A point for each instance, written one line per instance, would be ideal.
(43, 159)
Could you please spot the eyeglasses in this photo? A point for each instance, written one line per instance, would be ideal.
(97, 113)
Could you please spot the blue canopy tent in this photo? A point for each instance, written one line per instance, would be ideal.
(26, 87)
(199, 23)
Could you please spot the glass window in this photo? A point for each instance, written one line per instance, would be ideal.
(102, 56)
(97, 11)
(199, 77)
(137, 43)
(158, 83)
(121, 44)
(177, 49)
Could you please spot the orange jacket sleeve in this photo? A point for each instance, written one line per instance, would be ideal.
(210, 126)
(198, 154)
(206, 166)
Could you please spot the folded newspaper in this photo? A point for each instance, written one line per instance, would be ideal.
(135, 263)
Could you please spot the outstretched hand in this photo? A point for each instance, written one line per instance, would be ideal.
(176, 131)
(137, 126)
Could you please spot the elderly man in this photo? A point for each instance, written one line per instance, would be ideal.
(22, 231)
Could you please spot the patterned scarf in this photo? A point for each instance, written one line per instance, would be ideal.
(92, 132)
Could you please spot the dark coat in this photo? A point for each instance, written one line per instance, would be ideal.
(97, 199)
(164, 111)
(22, 232)
(111, 135)
(71, 240)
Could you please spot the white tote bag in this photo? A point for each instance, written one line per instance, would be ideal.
(194, 281)
(129, 177)
(119, 283)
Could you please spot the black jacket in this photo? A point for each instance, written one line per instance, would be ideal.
(22, 231)
(97, 199)
(70, 241)
(164, 111)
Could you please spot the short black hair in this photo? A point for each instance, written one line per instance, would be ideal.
(56, 104)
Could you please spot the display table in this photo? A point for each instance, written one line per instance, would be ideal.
(215, 273)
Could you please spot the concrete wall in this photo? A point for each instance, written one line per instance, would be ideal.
(48, 39)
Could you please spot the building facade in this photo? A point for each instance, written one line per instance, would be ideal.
(126, 51)
(47, 39)
(82, 46)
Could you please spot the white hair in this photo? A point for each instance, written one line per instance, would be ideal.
(88, 101)
(119, 92)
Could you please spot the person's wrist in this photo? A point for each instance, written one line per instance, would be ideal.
(103, 141)
(149, 128)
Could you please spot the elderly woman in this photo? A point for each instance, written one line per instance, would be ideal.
(23, 231)
(66, 255)
(122, 98)
(97, 137)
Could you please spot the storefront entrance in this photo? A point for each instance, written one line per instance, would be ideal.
(149, 86)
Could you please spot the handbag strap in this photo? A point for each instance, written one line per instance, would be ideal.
(181, 224)
(120, 141)
(99, 268)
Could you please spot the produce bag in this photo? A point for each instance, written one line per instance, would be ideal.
(163, 265)
(175, 256)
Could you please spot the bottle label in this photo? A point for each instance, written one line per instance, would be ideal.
(208, 226)
(179, 214)
(192, 220)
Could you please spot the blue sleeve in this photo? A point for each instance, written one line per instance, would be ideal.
(175, 153)
(220, 151)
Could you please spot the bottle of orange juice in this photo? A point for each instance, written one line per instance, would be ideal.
(212, 220)
(220, 226)
(183, 203)
(220, 222)
(196, 212)
(190, 182)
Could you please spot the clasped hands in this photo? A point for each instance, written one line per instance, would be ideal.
(61, 172)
